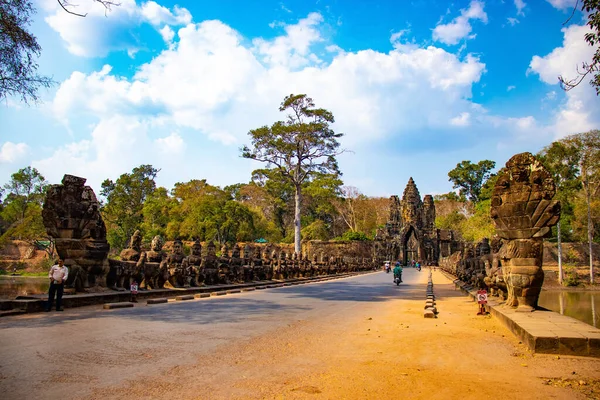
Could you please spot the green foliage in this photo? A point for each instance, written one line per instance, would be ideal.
(22, 208)
(315, 231)
(452, 196)
(350, 235)
(18, 52)
(574, 162)
(453, 220)
(297, 150)
(469, 178)
(26, 186)
(123, 211)
(207, 212)
(157, 213)
(480, 224)
(571, 278)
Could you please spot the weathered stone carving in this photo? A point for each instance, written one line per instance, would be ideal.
(524, 212)
(153, 265)
(410, 233)
(71, 216)
(192, 265)
(210, 265)
(177, 271)
(126, 268)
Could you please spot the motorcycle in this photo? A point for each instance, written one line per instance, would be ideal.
(397, 279)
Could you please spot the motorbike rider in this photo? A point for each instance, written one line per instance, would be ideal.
(398, 271)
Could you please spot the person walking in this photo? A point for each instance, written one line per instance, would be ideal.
(58, 275)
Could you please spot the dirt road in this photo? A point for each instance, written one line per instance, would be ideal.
(378, 347)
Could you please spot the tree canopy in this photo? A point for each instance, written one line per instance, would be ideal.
(298, 149)
(469, 178)
(19, 50)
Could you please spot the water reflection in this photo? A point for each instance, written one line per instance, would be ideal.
(579, 305)
(13, 286)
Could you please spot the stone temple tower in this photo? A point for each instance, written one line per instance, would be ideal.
(410, 233)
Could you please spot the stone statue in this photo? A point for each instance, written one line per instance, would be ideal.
(210, 265)
(153, 265)
(127, 266)
(236, 263)
(524, 212)
(71, 216)
(226, 275)
(177, 274)
(247, 267)
(192, 265)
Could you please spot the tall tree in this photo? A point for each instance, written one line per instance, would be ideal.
(22, 208)
(19, 50)
(469, 178)
(592, 9)
(587, 146)
(562, 162)
(26, 186)
(125, 202)
(298, 148)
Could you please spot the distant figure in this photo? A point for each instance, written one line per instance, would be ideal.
(58, 275)
(398, 271)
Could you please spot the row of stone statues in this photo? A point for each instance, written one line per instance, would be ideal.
(155, 268)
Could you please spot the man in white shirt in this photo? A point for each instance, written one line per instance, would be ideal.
(58, 275)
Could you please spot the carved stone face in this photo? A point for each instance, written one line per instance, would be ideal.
(196, 249)
(177, 247)
(136, 241)
(157, 243)
(211, 249)
(235, 252)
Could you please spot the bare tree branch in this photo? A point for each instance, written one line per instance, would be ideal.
(106, 3)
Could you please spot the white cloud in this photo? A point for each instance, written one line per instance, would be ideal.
(512, 21)
(172, 144)
(211, 86)
(562, 4)
(159, 15)
(293, 49)
(102, 31)
(520, 4)
(579, 112)
(167, 34)
(460, 27)
(11, 152)
(464, 119)
(511, 87)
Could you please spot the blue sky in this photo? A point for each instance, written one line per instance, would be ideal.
(415, 86)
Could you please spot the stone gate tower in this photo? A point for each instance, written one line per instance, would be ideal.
(410, 233)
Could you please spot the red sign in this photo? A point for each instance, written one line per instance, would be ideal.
(133, 288)
(482, 296)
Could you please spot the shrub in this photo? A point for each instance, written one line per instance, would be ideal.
(571, 278)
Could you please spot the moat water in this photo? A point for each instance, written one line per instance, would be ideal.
(581, 305)
(13, 286)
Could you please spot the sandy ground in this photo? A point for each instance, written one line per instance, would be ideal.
(382, 351)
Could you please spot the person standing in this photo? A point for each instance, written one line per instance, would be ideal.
(58, 275)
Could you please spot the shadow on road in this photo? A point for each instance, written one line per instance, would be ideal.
(226, 310)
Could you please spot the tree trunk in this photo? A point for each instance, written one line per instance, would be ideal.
(298, 196)
(560, 269)
(590, 228)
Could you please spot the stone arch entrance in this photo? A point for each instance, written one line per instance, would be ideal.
(411, 247)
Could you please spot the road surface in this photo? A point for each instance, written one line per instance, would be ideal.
(359, 337)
